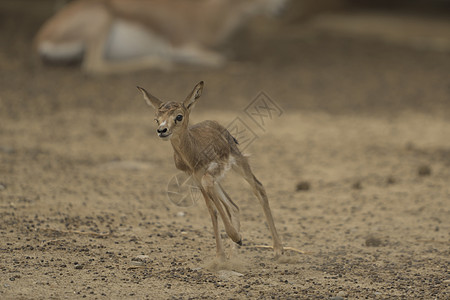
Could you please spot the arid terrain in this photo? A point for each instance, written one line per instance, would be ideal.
(355, 161)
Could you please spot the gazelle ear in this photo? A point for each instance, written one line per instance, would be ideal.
(194, 95)
(150, 99)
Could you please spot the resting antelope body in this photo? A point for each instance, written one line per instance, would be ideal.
(127, 35)
(206, 151)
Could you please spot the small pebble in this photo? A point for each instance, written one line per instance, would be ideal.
(372, 241)
(341, 294)
(357, 185)
(303, 186)
(7, 149)
(226, 274)
(140, 260)
(391, 180)
(424, 170)
(181, 214)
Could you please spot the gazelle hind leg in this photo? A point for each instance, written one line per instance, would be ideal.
(244, 169)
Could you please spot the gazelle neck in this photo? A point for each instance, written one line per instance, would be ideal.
(183, 146)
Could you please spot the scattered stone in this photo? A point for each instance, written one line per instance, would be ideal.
(137, 263)
(2, 186)
(391, 180)
(227, 274)
(372, 241)
(7, 149)
(140, 260)
(424, 170)
(357, 185)
(410, 146)
(303, 186)
(337, 298)
(181, 214)
(341, 294)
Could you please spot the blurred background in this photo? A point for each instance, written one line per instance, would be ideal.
(331, 55)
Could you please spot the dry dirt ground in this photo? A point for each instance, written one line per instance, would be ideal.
(356, 165)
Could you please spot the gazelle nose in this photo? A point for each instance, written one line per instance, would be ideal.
(161, 130)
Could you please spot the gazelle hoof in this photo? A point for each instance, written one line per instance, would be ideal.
(239, 243)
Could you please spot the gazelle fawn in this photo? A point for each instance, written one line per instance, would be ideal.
(206, 151)
(112, 36)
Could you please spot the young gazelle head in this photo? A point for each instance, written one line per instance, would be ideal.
(172, 117)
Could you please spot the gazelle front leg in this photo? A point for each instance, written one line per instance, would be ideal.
(208, 183)
(220, 253)
(232, 210)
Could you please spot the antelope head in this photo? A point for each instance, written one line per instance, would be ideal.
(171, 117)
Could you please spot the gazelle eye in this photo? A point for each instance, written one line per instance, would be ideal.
(179, 118)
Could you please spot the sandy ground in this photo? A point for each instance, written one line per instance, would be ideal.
(364, 124)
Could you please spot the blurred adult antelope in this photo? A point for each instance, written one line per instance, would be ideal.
(127, 35)
(206, 151)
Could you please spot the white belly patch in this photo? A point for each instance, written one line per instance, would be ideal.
(129, 40)
(220, 169)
